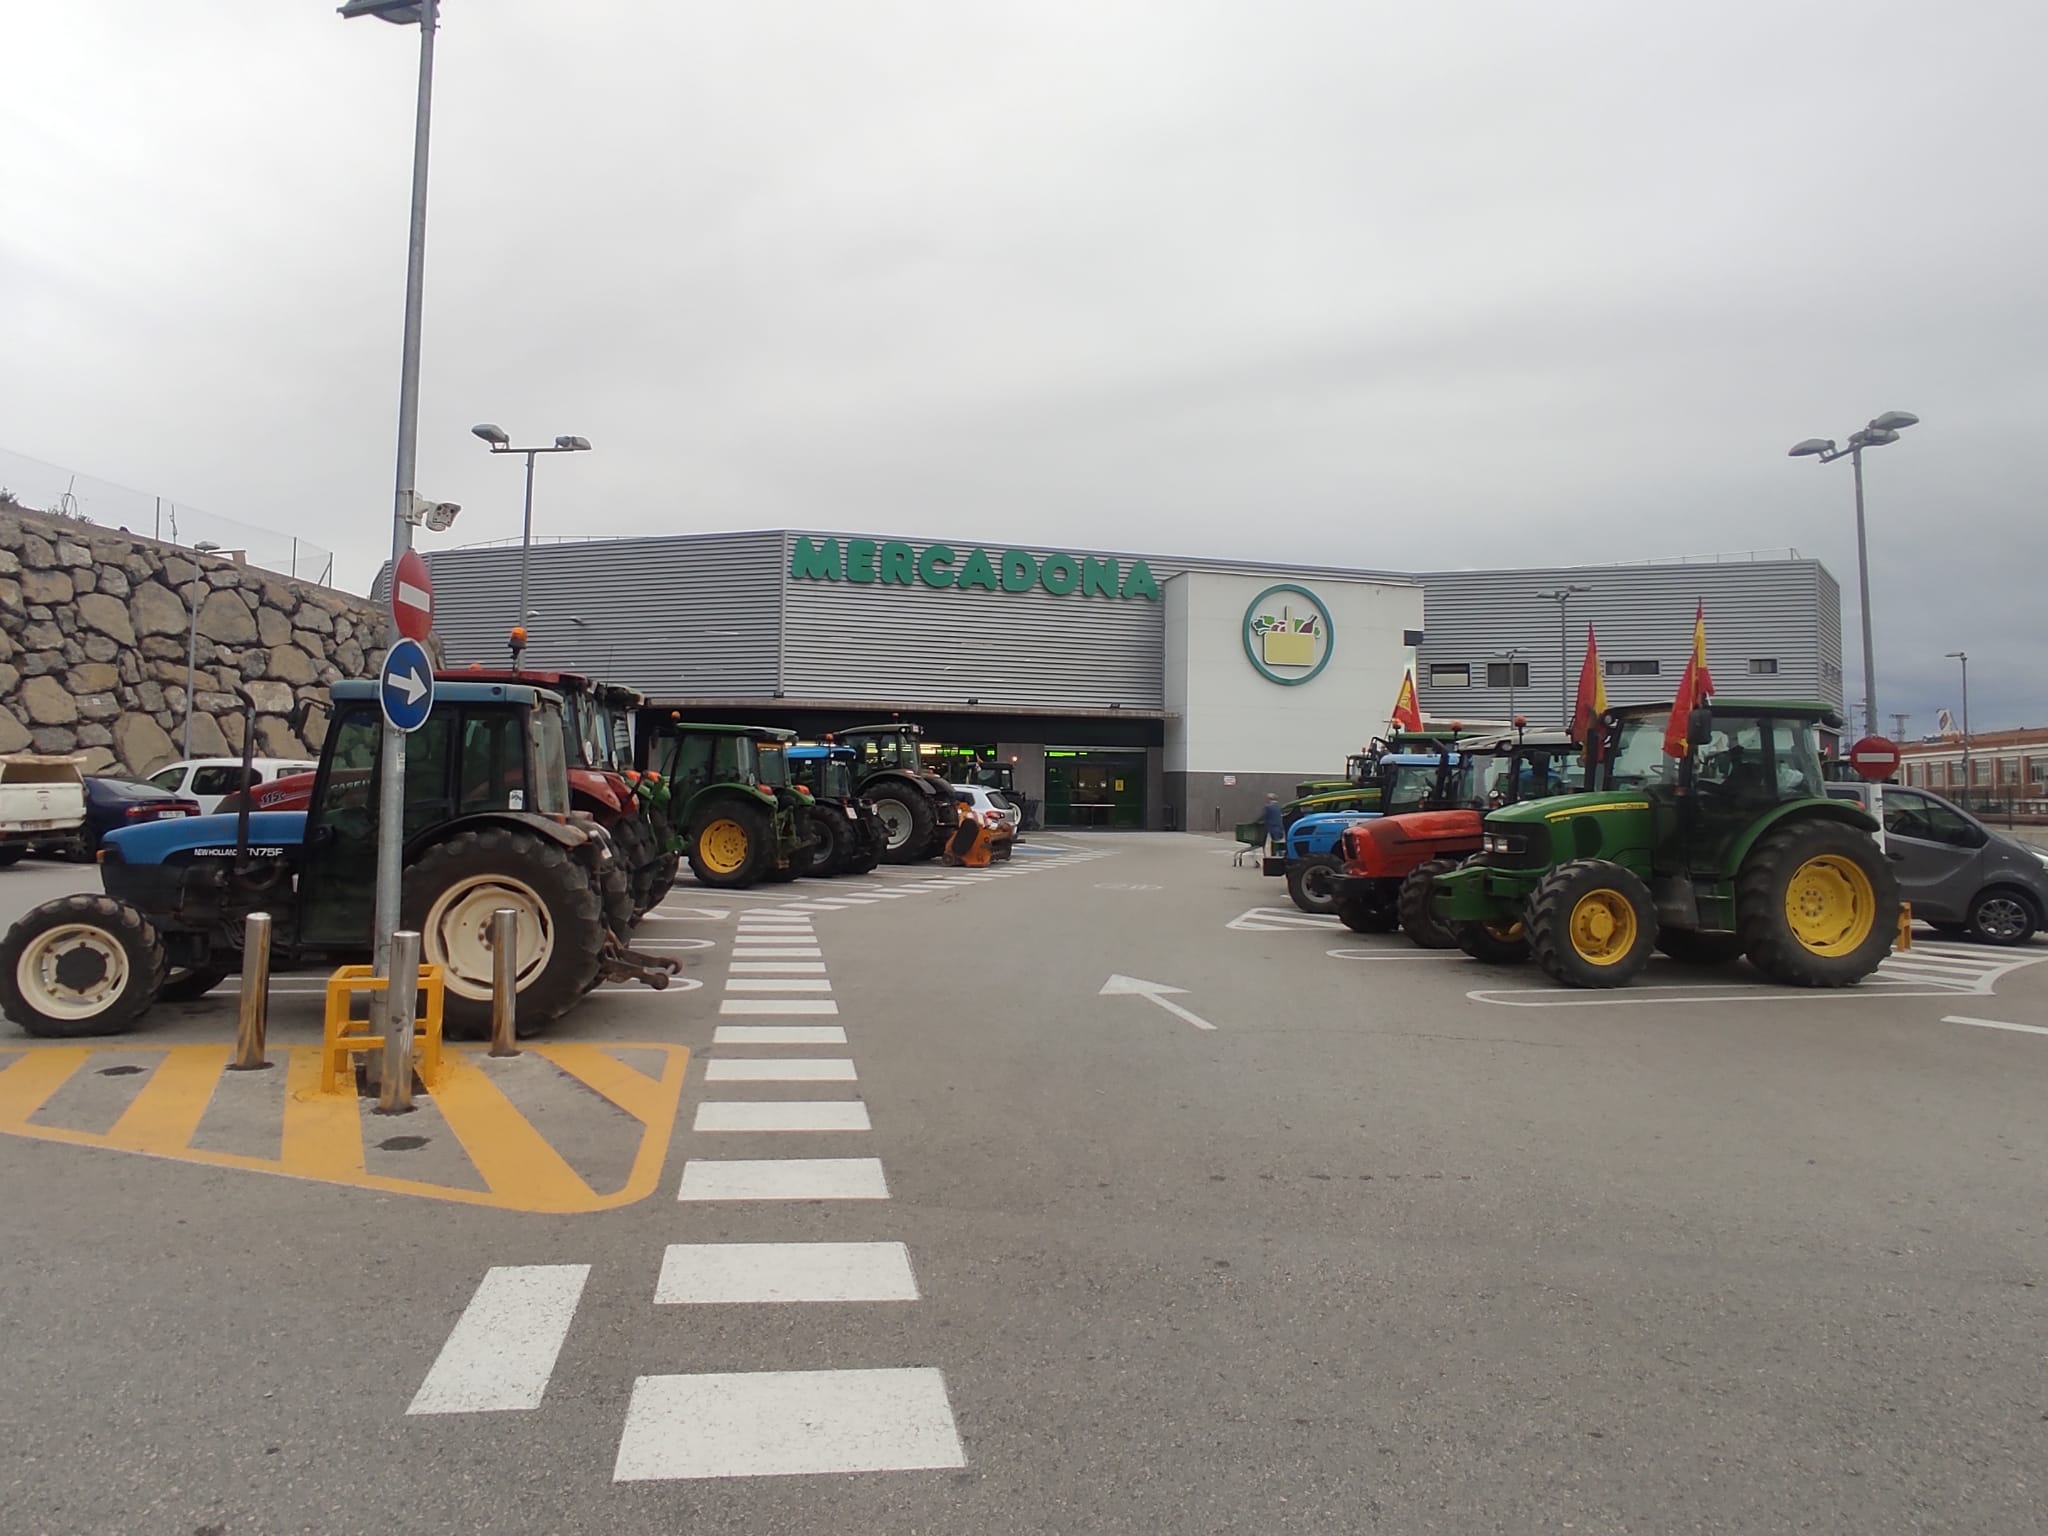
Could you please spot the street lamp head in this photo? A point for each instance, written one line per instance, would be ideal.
(399, 12)
(1958, 655)
(1810, 446)
(204, 547)
(576, 444)
(1872, 437)
(1894, 421)
(491, 433)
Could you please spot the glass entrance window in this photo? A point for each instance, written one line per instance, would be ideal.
(1095, 789)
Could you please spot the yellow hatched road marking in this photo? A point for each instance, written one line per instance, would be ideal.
(323, 1132)
(27, 1083)
(166, 1113)
(322, 1137)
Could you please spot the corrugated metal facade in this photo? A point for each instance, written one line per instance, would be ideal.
(713, 616)
(1781, 613)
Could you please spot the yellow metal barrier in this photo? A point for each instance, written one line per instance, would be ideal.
(345, 1036)
(1905, 938)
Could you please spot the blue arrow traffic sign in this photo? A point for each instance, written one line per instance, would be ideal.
(406, 686)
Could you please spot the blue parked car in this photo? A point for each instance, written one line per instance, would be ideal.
(1409, 781)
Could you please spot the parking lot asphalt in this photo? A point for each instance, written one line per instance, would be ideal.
(958, 1222)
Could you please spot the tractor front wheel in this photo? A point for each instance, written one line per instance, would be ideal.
(825, 853)
(1591, 923)
(1417, 920)
(78, 966)
(1817, 905)
(730, 844)
(906, 823)
(452, 890)
(1363, 914)
(1311, 882)
(1495, 943)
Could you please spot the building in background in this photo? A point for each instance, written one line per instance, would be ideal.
(1495, 646)
(2008, 770)
(1120, 690)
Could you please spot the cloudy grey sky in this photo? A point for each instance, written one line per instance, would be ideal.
(1398, 285)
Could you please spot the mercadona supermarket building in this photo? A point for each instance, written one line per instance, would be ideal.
(1122, 690)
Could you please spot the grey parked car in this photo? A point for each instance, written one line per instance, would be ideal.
(1956, 872)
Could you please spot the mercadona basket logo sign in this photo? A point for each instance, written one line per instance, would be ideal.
(1287, 634)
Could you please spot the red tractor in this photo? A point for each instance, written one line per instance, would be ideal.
(596, 742)
(1389, 861)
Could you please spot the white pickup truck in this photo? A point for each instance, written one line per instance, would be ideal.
(42, 802)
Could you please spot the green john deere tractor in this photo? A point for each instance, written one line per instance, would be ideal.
(725, 790)
(1732, 850)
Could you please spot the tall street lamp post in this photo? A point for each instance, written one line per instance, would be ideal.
(426, 15)
(1882, 429)
(201, 547)
(1562, 596)
(495, 437)
(1969, 783)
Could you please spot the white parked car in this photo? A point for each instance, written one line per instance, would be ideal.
(208, 779)
(990, 803)
(42, 801)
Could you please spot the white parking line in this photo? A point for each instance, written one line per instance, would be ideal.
(777, 984)
(773, 952)
(2020, 1029)
(756, 1273)
(777, 967)
(502, 1350)
(778, 1423)
(793, 1005)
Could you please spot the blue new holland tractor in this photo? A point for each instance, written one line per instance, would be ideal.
(1408, 781)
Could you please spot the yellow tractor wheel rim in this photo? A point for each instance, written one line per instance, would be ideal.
(1829, 905)
(723, 846)
(1603, 927)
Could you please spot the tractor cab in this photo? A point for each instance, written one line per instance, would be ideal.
(847, 836)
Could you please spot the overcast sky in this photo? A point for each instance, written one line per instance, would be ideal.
(1395, 285)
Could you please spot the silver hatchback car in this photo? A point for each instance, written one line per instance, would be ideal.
(1957, 873)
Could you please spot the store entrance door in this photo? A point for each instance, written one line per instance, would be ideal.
(1094, 789)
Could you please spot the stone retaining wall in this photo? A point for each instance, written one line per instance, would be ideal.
(94, 626)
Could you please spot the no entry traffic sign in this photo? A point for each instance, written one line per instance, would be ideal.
(412, 597)
(1874, 758)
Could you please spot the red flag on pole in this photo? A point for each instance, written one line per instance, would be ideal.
(1592, 700)
(1694, 688)
(1407, 714)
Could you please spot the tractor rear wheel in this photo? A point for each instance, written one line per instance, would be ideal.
(730, 845)
(1362, 914)
(1591, 923)
(1817, 905)
(1417, 920)
(1688, 946)
(1495, 943)
(906, 822)
(1311, 882)
(825, 853)
(12, 853)
(78, 966)
(452, 889)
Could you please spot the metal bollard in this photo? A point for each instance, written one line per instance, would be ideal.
(401, 1004)
(504, 981)
(254, 1024)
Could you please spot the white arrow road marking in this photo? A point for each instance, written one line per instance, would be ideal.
(1152, 992)
(410, 596)
(415, 689)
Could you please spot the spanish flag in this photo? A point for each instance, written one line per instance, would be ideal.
(1407, 714)
(1694, 688)
(1592, 700)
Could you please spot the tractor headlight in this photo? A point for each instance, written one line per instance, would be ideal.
(1502, 842)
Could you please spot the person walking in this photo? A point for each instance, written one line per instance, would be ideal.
(1276, 826)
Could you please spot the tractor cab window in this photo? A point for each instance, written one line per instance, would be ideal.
(350, 790)
(493, 763)
(549, 791)
(838, 778)
(1542, 775)
(1638, 760)
(1732, 765)
(688, 763)
(1795, 758)
(774, 764)
(888, 752)
(1409, 788)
